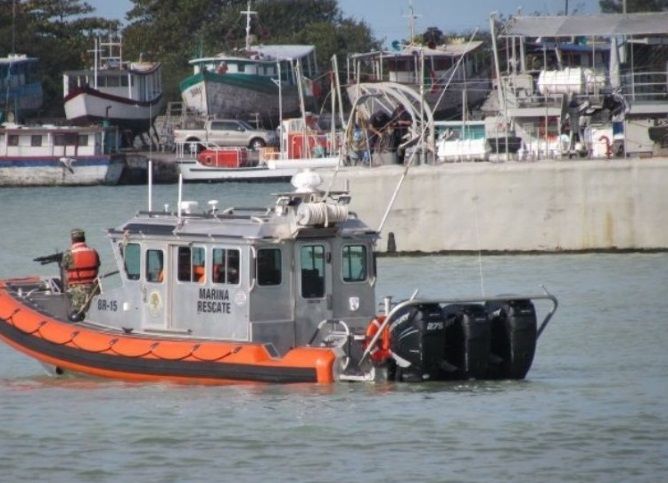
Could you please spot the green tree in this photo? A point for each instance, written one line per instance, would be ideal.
(58, 33)
(617, 6)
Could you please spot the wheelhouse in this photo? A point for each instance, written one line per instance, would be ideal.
(267, 276)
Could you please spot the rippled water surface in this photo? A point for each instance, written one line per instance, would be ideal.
(593, 408)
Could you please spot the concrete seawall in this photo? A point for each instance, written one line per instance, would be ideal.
(540, 206)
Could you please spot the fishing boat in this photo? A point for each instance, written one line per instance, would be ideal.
(124, 94)
(43, 155)
(20, 88)
(579, 85)
(245, 83)
(283, 294)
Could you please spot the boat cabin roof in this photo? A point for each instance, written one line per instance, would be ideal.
(17, 58)
(42, 128)
(604, 25)
(262, 53)
(249, 224)
(446, 50)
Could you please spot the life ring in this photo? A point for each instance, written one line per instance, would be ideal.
(381, 352)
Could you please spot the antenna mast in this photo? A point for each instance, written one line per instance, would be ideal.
(248, 12)
(411, 21)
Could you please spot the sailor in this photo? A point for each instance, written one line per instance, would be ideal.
(80, 264)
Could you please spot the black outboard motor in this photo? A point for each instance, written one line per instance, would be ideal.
(417, 336)
(514, 334)
(467, 340)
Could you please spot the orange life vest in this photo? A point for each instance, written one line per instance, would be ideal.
(84, 265)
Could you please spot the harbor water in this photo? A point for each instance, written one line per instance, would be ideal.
(594, 406)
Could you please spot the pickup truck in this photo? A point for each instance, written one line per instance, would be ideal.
(227, 132)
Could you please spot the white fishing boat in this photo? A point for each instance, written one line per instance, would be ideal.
(125, 94)
(244, 83)
(45, 155)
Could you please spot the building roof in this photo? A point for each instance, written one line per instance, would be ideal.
(588, 25)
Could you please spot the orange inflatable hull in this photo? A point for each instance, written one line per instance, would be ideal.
(82, 348)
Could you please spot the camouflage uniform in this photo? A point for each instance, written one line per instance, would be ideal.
(79, 294)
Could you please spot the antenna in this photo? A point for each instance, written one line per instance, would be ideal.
(248, 12)
(411, 21)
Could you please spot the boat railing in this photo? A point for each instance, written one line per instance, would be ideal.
(188, 150)
(645, 86)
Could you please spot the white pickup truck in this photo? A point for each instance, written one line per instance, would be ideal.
(227, 132)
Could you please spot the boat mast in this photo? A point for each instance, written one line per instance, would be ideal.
(411, 21)
(248, 12)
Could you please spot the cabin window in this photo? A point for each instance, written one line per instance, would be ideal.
(132, 263)
(191, 264)
(36, 140)
(269, 266)
(124, 81)
(353, 263)
(225, 267)
(83, 140)
(12, 140)
(312, 262)
(241, 67)
(66, 139)
(154, 266)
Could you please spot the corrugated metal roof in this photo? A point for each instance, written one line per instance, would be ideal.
(589, 25)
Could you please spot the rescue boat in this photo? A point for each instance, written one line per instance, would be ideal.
(284, 294)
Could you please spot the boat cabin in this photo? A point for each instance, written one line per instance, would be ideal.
(405, 65)
(268, 276)
(262, 61)
(138, 81)
(46, 140)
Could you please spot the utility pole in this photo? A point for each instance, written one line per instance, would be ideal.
(566, 8)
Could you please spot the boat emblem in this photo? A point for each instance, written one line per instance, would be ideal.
(154, 304)
(354, 303)
(240, 298)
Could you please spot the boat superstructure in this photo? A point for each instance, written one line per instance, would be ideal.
(282, 294)
(124, 94)
(450, 77)
(32, 155)
(581, 85)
